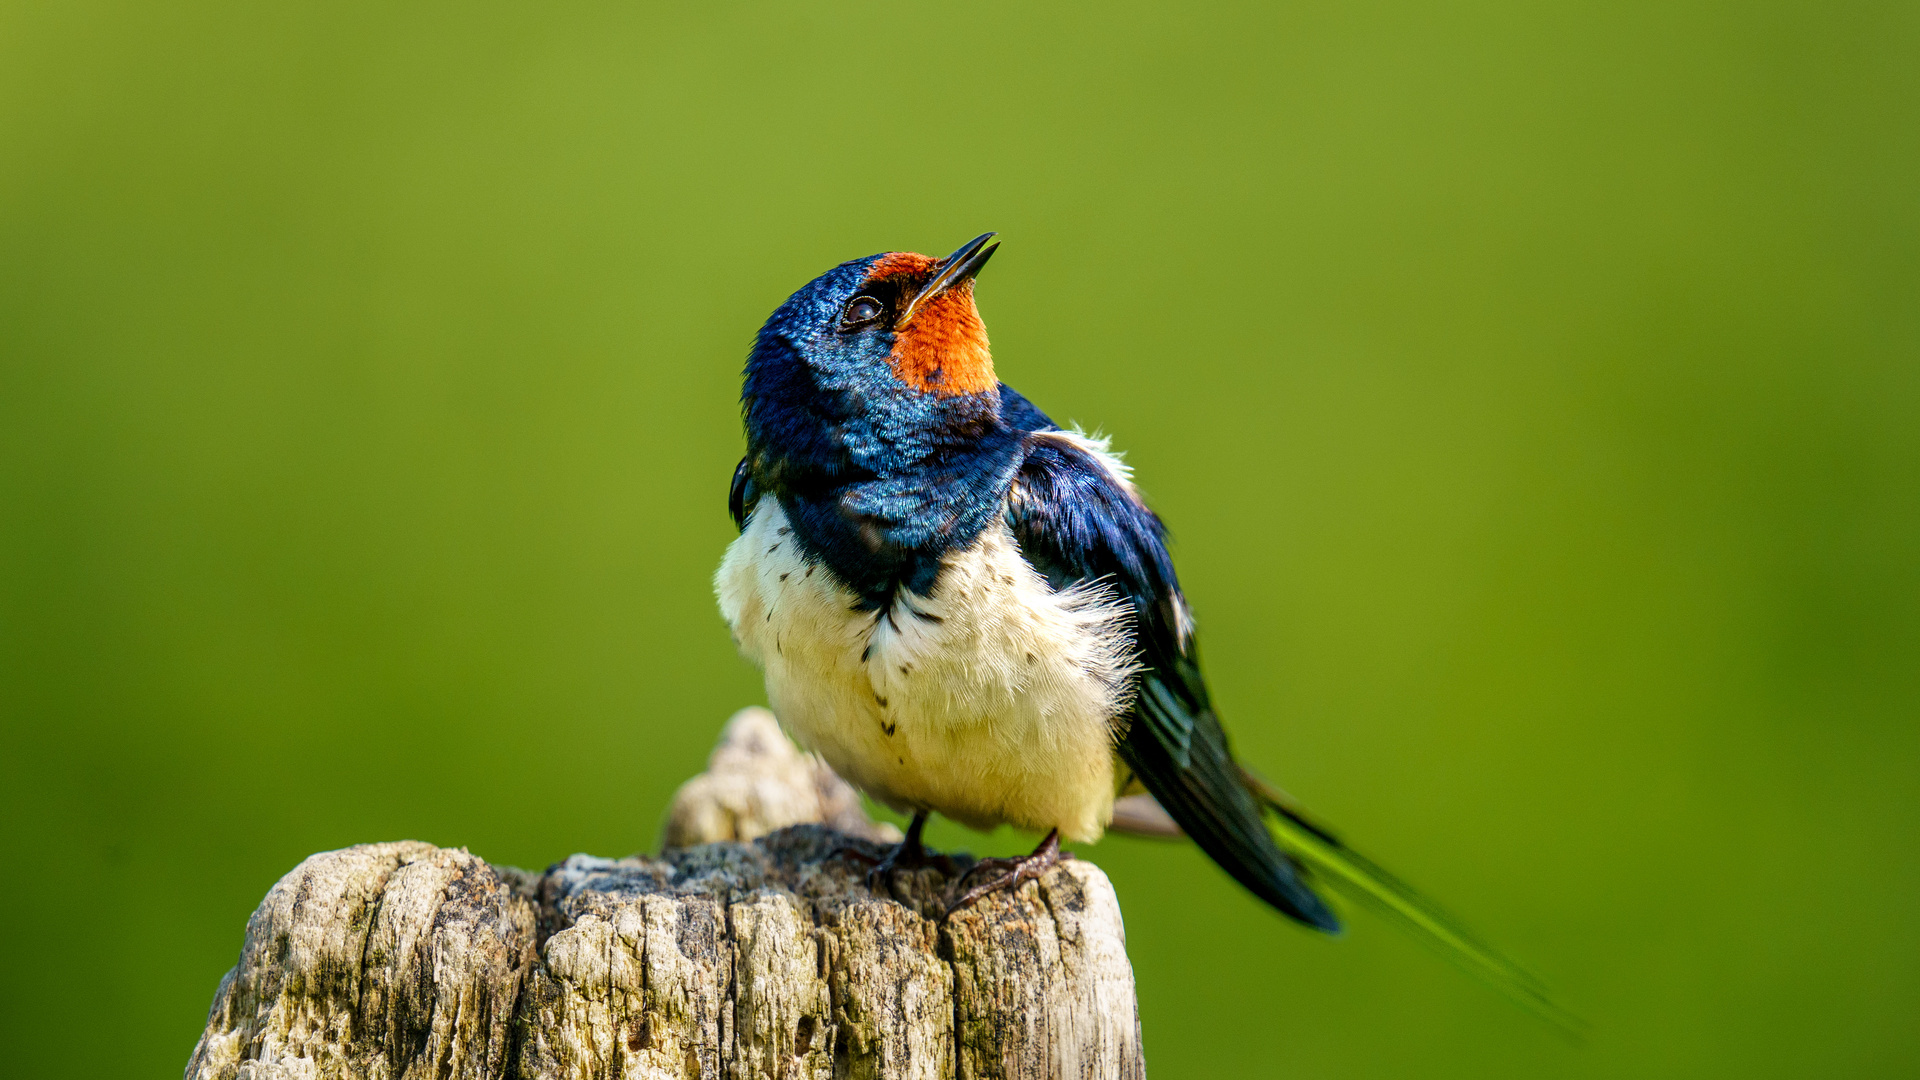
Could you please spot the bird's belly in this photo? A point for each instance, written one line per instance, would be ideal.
(990, 701)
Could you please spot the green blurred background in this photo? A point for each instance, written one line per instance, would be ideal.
(1534, 391)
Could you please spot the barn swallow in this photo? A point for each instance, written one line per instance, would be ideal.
(966, 609)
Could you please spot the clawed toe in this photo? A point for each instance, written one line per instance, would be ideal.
(856, 855)
(910, 854)
(1012, 871)
(880, 876)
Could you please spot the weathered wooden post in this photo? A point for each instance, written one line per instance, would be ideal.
(751, 948)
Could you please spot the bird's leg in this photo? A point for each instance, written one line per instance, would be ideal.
(913, 837)
(909, 854)
(1013, 871)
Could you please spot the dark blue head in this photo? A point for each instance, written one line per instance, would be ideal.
(873, 412)
(885, 356)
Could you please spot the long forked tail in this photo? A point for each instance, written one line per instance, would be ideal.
(1366, 882)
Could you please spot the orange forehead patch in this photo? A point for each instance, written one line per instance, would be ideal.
(943, 350)
(903, 262)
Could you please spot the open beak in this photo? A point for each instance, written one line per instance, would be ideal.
(960, 266)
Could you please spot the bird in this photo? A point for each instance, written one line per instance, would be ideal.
(967, 609)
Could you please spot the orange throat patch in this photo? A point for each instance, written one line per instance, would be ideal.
(943, 350)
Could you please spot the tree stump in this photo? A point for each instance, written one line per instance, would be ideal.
(759, 955)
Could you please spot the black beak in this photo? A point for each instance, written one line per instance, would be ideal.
(960, 266)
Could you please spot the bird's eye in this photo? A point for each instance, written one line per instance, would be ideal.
(860, 311)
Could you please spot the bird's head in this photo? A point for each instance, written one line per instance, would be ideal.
(874, 416)
(893, 337)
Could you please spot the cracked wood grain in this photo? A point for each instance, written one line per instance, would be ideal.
(728, 960)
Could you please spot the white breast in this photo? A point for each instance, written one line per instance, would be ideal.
(989, 701)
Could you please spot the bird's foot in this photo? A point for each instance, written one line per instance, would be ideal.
(1011, 872)
(901, 858)
(908, 854)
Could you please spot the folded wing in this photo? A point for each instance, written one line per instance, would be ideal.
(1076, 518)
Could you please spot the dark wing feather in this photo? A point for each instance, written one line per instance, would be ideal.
(1076, 521)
